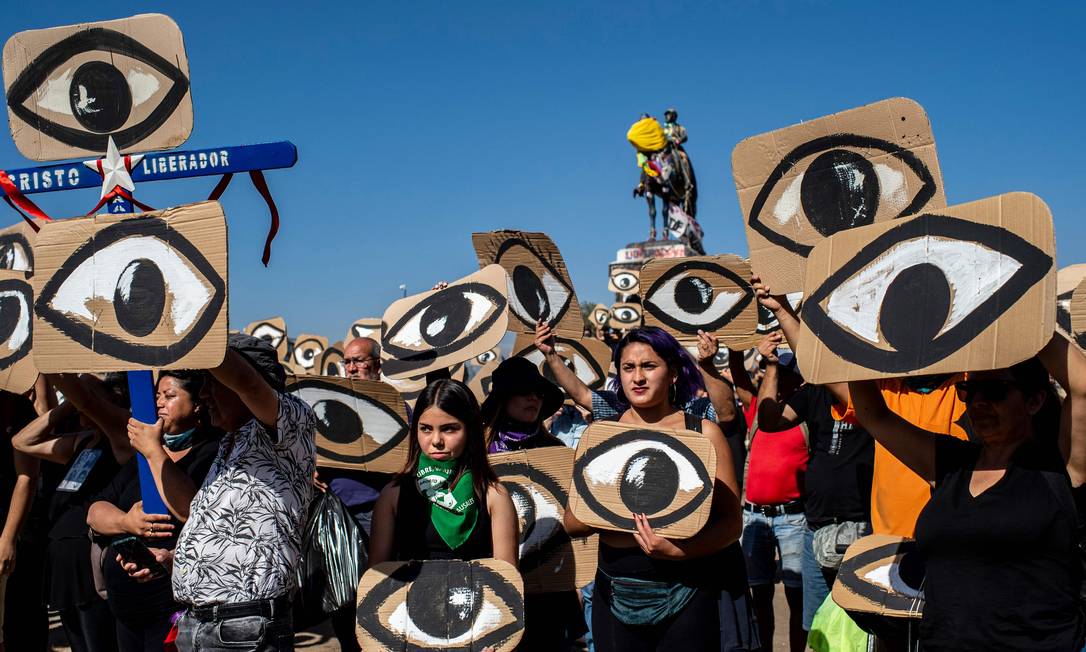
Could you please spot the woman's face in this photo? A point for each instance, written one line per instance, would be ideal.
(524, 408)
(645, 377)
(999, 412)
(441, 435)
(176, 407)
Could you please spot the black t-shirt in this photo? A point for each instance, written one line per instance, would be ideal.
(1001, 568)
(15, 412)
(128, 598)
(838, 481)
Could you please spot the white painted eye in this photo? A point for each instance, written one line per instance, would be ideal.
(269, 333)
(537, 299)
(14, 322)
(540, 516)
(439, 324)
(346, 419)
(307, 351)
(625, 281)
(15, 253)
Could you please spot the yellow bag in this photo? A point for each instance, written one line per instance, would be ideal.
(647, 135)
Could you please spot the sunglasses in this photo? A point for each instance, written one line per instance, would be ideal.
(991, 391)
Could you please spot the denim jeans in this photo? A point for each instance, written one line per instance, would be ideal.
(242, 634)
(766, 536)
(586, 596)
(816, 580)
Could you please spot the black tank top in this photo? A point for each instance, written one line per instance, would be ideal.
(417, 538)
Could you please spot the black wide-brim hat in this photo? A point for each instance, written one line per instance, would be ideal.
(517, 377)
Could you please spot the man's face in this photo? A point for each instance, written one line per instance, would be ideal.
(224, 407)
(359, 360)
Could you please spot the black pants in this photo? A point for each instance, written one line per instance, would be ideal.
(694, 629)
(142, 634)
(90, 627)
(26, 622)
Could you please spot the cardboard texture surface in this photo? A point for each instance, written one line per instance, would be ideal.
(364, 327)
(709, 293)
(480, 383)
(440, 328)
(331, 361)
(537, 481)
(1069, 280)
(588, 358)
(624, 282)
(622, 469)
(539, 283)
(625, 315)
(17, 247)
(69, 89)
(800, 184)
(273, 331)
(306, 353)
(409, 606)
(487, 356)
(408, 388)
(970, 288)
(601, 316)
(881, 574)
(361, 424)
(122, 292)
(17, 370)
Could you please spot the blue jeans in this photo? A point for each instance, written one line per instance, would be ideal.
(816, 580)
(243, 634)
(764, 537)
(586, 596)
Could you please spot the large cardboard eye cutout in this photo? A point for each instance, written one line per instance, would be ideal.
(365, 327)
(1071, 291)
(539, 285)
(331, 361)
(803, 183)
(625, 315)
(70, 89)
(17, 370)
(935, 293)
(601, 315)
(17, 248)
(624, 281)
(588, 359)
(307, 352)
(451, 605)
(665, 474)
(116, 294)
(882, 574)
(273, 331)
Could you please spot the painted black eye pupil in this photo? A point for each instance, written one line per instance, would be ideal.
(9, 316)
(693, 294)
(443, 323)
(451, 603)
(650, 480)
(530, 292)
(525, 508)
(7, 257)
(915, 308)
(100, 98)
(140, 297)
(337, 422)
(840, 190)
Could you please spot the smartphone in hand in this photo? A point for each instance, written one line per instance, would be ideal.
(132, 549)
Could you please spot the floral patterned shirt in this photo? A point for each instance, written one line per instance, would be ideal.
(244, 532)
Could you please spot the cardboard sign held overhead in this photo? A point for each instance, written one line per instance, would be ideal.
(881, 574)
(539, 283)
(624, 281)
(440, 328)
(536, 481)
(273, 331)
(622, 469)
(1071, 284)
(117, 292)
(17, 370)
(361, 424)
(588, 358)
(364, 327)
(17, 247)
(70, 89)
(708, 293)
(803, 183)
(330, 362)
(306, 353)
(969, 288)
(601, 316)
(625, 315)
(409, 605)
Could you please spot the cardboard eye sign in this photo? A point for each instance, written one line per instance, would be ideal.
(536, 481)
(115, 293)
(273, 331)
(480, 383)
(1069, 287)
(967, 288)
(767, 321)
(361, 424)
(625, 315)
(488, 356)
(441, 328)
(17, 247)
(709, 293)
(588, 358)
(803, 183)
(331, 361)
(70, 89)
(601, 316)
(881, 574)
(17, 370)
(624, 281)
(364, 327)
(440, 605)
(622, 469)
(306, 353)
(539, 283)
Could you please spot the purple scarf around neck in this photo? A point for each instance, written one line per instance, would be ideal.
(509, 439)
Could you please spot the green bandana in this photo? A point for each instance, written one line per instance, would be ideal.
(453, 511)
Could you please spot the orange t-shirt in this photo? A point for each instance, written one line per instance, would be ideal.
(898, 494)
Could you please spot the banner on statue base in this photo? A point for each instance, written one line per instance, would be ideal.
(967, 288)
(117, 293)
(803, 183)
(70, 89)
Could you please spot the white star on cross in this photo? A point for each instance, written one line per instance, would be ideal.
(115, 171)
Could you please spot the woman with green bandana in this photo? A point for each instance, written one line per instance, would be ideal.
(447, 503)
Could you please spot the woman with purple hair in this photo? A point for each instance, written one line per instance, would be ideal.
(655, 593)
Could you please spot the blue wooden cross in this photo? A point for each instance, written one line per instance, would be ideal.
(157, 166)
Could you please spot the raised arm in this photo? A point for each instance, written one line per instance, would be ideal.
(39, 439)
(241, 378)
(720, 390)
(774, 415)
(913, 446)
(1067, 364)
(88, 394)
(744, 386)
(174, 485)
(573, 386)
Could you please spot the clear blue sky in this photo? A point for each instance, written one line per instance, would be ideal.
(420, 122)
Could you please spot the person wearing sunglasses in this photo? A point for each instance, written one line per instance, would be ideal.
(999, 534)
